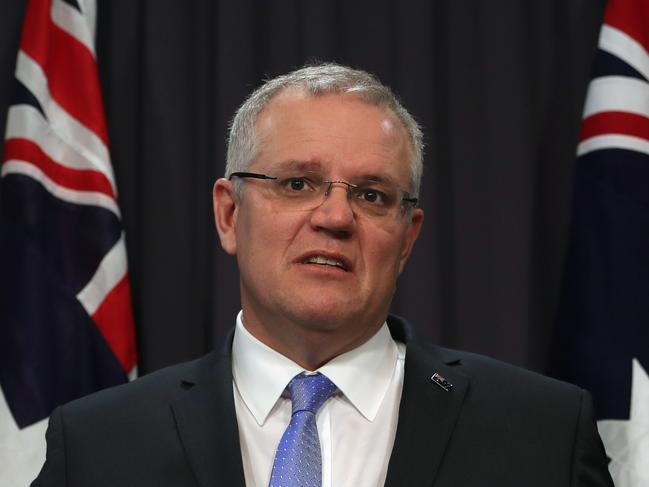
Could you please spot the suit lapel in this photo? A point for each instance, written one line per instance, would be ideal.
(427, 417)
(207, 423)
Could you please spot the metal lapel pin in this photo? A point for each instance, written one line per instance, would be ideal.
(442, 382)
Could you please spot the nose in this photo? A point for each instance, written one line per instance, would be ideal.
(335, 214)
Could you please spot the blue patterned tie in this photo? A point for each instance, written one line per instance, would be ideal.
(298, 462)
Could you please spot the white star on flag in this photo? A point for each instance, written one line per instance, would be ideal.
(627, 441)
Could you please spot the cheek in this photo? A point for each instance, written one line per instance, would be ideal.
(282, 231)
(267, 236)
(382, 250)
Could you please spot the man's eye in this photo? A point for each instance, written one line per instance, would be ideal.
(372, 196)
(296, 184)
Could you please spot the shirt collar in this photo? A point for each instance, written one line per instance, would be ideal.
(362, 374)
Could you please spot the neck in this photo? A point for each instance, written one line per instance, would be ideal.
(307, 344)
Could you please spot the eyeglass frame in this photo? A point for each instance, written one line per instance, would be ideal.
(255, 175)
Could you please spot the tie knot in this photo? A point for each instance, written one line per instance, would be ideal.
(309, 392)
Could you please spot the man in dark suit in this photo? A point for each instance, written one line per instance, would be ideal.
(317, 385)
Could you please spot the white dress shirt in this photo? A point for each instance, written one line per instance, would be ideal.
(357, 426)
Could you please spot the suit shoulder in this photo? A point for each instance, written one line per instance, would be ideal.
(496, 375)
(503, 400)
(158, 387)
(483, 372)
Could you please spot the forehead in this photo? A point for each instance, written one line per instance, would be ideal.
(338, 132)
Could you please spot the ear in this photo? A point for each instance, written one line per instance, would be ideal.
(412, 232)
(225, 201)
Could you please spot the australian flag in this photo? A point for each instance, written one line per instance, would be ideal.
(602, 337)
(66, 326)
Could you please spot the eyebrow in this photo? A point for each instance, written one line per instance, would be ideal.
(376, 178)
(311, 166)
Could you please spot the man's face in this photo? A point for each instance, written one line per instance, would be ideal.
(343, 139)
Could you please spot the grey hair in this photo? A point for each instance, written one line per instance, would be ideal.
(316, 80)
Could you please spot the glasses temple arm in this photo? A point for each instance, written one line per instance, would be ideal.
(250, 175)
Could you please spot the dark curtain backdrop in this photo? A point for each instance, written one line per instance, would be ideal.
(498, 86)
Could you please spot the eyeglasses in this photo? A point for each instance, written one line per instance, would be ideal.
(293, 191)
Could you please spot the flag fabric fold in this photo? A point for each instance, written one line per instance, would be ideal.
(602, 336)
(65, 307)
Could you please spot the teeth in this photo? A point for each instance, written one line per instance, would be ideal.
(319, 259)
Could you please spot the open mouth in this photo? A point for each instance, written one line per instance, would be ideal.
(327, 261)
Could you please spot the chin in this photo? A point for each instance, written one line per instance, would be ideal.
(323, 313)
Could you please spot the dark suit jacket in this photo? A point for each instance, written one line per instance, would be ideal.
(498, 426)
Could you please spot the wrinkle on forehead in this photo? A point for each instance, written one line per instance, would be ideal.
(312, 165)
